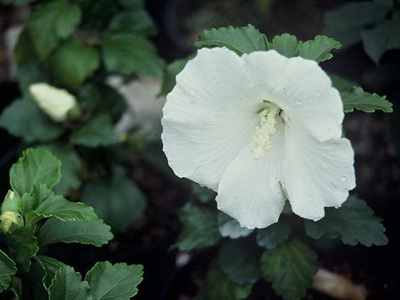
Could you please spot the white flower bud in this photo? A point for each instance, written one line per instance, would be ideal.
(10, 220)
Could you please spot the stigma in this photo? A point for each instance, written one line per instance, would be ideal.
(261, 140)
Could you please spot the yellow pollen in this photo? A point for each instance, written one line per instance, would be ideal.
(261, 141)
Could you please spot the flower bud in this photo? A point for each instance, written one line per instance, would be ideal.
(12, 202)
(10, 220)
(57, 103)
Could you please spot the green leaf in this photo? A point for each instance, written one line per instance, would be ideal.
(16, 2)
(68, 284)
(353, 223)
(91, 232)
(36, 166)
(22, 245)
(7, 270)
(97, 132)
(70, 168)
(50, 266)
(117, 200)
(171, 71)
(229, 227)
(34, 280)
(379, 39)
(24, 119)
(273, 235)
(318, 49)
(199, 228)
(131, 54)
(366, 102)
(285, 44)
(73, 62)
(16, 288)
(290, 267)
(239, 39)
(118, 281)
(240, 260)
(218, 286)
(133, 21)
(51, 22)
(202, 193)
(342, 84)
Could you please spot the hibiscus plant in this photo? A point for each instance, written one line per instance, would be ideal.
(33, 218)
(259, 123)
(65, 54)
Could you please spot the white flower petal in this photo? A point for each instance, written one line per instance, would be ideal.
(206, 122)
(250, 190)
(316, 174)
(299, 87)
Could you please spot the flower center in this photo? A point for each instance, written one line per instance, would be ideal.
(261, 140)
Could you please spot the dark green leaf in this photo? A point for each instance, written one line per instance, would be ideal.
(366, 102)
(16, 287)
(134, 21)
(290, 267)
(118, 281)
(33, 284)
(240, 260)
(68, 284)
(73, 62)
(229, 227)
(342, 84)
(353, 223)
(240, 39)
(91, 232)
(131, 54)
(32, 200)
(318, 49)
(379, 39)
(22, 245)
(7, 270)
(36, 166)
(169, 78)
(24, 119)
(285, 44)
(273, 235)
(16, 2)
(70, 168)
(97, 132)
(118, 201)
(218, 286)
(51, 22)
(203, 194)
(50, 266)
(199, 228)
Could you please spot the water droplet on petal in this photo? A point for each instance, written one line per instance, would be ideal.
(343, 179)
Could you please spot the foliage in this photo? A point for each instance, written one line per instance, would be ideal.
(33, 217)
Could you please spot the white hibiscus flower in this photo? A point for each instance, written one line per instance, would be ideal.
(259, 129)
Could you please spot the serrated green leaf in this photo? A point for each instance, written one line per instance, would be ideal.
(36, 166)
(68, 284)
(22, 245)
(70, 168)
(318, 49)
(16, 287)
(7, 270)
(73, 62)
(353, 17)
(171, 71)
(240, 260)
(118, 281)
(51, 22)
(353, 223)
(91, 232)
(218, 286)
(366, 102)
(273, 235)
(133, 21)
(131, 54)
(290, 268)
(50, 266)
(117, 200)
(24, 119)
(342, 84)
(239, 39)
(97, 132)
(285, 44)
(229, 227)
(199, 228)
(34, 280)
(379, 39)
